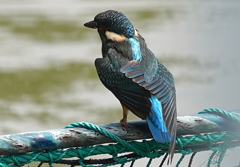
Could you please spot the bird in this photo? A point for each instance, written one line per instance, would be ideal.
(130, 70)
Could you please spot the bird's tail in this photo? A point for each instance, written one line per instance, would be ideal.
(158, 128)
(162, 136)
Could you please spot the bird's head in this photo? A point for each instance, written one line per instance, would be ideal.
(113, 25)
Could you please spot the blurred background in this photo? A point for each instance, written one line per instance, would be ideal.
(47, 74)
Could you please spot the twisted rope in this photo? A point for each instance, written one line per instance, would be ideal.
(109, 135)
(221, 113)
(217, 142)
(186, 148)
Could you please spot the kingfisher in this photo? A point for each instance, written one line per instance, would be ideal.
(135, 76)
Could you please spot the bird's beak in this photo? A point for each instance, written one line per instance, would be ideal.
(91, 24)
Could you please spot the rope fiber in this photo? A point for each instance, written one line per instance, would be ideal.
(122, 151)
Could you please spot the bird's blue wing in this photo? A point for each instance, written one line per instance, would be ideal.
(154, 77)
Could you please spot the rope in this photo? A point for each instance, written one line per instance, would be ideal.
(221, 113)
(191, 159)
(27, 158)
(217, 142)
(109, 135)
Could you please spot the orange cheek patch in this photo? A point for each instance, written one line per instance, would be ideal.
(114, 36)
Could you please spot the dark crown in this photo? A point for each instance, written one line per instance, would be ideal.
(116, 22)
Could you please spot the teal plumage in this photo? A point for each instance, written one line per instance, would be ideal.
(135, 76)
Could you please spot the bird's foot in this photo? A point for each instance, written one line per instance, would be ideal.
(124, 124)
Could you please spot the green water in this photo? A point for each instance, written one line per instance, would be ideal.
(34, 83)
(43, 29)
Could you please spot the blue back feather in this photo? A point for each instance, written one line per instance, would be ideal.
(136, 50)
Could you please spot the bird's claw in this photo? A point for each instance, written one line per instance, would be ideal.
(124, 124)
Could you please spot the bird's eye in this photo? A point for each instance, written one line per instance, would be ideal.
(96, 24)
